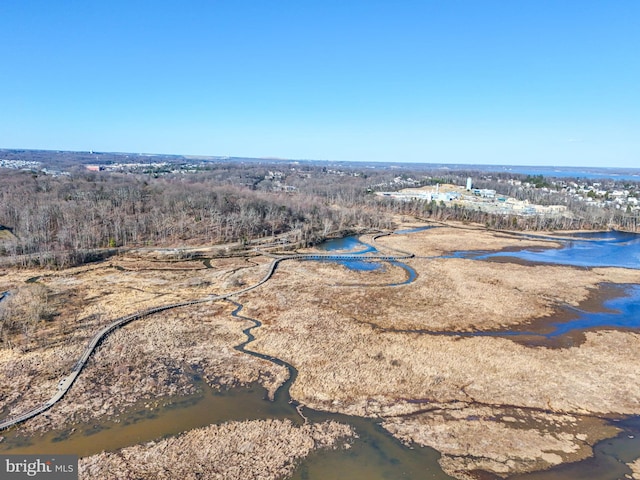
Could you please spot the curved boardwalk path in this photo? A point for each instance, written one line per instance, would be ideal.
(65, 384)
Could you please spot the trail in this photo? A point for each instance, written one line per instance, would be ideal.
(65, 384)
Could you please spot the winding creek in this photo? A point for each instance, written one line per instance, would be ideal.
(375, 455)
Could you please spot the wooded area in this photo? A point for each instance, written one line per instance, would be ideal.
(61, 220)
(70, 219)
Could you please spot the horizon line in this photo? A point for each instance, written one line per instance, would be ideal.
(284, 159)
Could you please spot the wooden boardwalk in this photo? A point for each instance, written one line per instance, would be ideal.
(65, 384)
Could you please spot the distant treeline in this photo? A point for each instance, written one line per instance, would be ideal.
(61, 220)
(67, 220)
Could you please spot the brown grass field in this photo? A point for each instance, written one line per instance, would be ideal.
(264, 449)
(345, 341)
(361, 347)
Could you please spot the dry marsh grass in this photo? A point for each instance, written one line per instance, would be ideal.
(505, 440)
(461, 295)
(484, 402)
(447, 239)
(261, 449)
(354, 357)
(153, 357)
(341, 362)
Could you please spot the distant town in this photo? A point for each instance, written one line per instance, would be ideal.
(475, 187)
(488, 200)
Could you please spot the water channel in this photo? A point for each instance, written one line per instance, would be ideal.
(353, 246)
(375, 455)
(587, 249)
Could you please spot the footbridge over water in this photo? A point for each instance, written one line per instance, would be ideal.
(339, 258)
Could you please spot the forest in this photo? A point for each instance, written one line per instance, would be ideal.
(66, 220)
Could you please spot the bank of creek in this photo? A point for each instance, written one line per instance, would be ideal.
(374, 454)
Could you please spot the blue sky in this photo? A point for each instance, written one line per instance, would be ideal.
(527, 82)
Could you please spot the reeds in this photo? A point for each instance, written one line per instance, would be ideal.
(259, 449)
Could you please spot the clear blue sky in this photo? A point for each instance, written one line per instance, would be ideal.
(532, 82)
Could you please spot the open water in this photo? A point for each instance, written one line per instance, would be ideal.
(588, 249)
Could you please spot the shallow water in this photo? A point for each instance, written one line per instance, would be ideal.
(141, 424)
(609, 460)
(353, 246)
(619, 312)
(357, 265)
(589, 249)
(349, 244)
(374, 456)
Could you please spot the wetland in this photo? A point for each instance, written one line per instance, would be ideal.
(416, 374)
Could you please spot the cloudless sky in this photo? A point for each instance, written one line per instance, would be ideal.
(533, 82)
